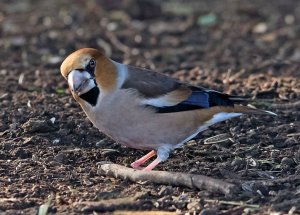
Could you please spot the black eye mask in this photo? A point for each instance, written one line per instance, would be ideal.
(90, 68)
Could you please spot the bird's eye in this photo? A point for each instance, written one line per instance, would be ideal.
(92, 63)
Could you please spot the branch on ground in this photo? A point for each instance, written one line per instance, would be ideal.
(170, 178)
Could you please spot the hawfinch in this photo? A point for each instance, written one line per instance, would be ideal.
(143, 109)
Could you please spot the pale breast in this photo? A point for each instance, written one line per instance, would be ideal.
(121, 117)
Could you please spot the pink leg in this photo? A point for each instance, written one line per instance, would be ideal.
(137, 164)
(152, 165)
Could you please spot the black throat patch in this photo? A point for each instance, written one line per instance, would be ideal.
(91, 96)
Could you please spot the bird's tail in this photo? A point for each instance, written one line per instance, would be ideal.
(220, 113)
(250, 110)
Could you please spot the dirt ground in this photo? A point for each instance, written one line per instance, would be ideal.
(50, 153)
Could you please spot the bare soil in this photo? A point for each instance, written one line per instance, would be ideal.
(50, 152)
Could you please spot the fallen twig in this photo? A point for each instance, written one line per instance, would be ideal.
(293, 134)
(170, 178)
(290, 105)
(106, 205)
(132, 202)
(217, 139)
(236, 203)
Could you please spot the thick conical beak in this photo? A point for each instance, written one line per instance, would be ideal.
(77, 80)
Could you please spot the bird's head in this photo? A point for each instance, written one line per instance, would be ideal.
(88, 69)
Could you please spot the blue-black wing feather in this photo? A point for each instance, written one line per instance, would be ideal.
(200, 98)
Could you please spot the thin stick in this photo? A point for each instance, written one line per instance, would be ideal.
(170, 178)
(240, 203)
(290, 105)
(105, 205)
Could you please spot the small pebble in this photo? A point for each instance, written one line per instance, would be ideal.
(193, 205)
(52, 120)
(56, 141)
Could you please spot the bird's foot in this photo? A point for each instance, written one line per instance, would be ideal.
(152, 165)
(136, 165)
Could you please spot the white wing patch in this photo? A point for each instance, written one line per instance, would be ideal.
(219, 117)
(170, 99)
(161, 101)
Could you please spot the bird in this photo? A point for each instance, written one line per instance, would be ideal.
(144, 109)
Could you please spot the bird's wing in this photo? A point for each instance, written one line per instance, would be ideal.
(167, 95)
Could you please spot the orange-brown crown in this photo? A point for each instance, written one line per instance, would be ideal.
(105, 71)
